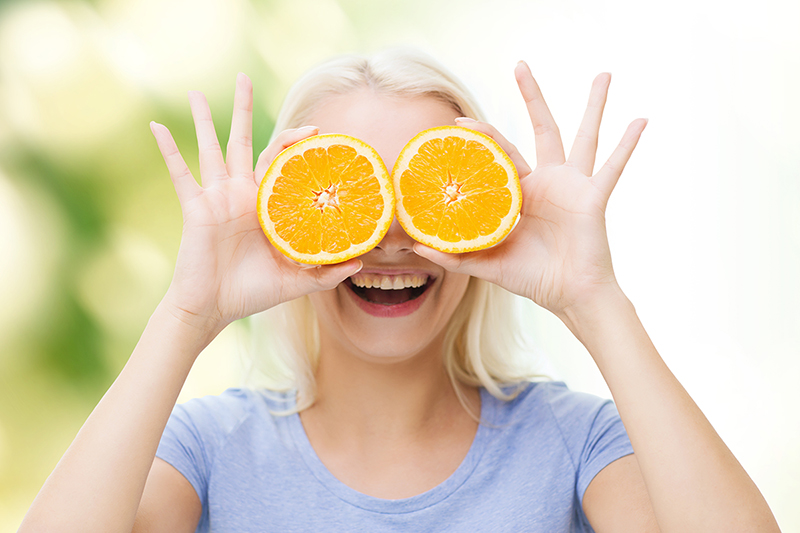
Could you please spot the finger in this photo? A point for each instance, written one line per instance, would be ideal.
(284, 140)
(607, 177)
(185, 185)
(239, 155)
(549, 150)
(584, 149)
(212, 166)
(523, 169)
(463, 263)
(325, 277)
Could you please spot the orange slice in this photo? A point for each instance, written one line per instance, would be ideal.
(456, 190)
(326, 199)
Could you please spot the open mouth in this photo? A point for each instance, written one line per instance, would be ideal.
(389, 290)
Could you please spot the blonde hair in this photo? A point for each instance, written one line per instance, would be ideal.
(484, 341)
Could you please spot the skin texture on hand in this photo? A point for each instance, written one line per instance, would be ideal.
(558, 254)
(226, 269)
(682, 475)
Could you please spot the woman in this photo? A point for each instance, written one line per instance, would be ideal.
(411, 422)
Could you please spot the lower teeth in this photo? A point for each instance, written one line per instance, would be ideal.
(388, 297)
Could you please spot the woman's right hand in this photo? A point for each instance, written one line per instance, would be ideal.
(226, 268)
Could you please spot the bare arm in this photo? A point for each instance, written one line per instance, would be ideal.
(226, 270)
(99, 481)
(616, 501)
(558, 256)
(693, 480)
(169, 503)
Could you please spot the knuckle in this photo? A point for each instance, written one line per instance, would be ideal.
(543, 128)
(183, 173)
(286, 138)
(530, 96)
(245, 142)
(612, 167)
(265, 156)
(212, 145)
(246, 106)
(587, 135)
(172, 152)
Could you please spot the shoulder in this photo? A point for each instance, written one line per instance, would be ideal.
(548, 412)
(223, 414)
(200, 429)
(552, 399)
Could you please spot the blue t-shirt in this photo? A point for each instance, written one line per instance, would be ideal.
(527, 468)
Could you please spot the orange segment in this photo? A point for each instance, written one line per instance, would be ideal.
(456, 190)
(326, 199)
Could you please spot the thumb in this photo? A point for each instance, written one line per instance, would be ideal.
(453, 262)
(325, 277)
(479, 264)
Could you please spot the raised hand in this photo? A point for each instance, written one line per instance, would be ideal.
(226, 268)
(558, 254)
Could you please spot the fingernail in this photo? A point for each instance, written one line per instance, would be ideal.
(307, 128)
(465, 119)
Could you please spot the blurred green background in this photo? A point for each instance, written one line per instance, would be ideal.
(704, 225)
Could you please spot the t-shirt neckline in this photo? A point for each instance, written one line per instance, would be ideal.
(403, 505)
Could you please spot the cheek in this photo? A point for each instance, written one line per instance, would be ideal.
(325, 304)
(454, 291)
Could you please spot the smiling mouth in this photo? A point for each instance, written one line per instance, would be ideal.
(388, 290)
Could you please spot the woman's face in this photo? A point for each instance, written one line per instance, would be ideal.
(382, 324)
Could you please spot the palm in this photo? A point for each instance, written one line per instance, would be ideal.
(558, 253)
(561, 238)
(226, 268)
(222, 241)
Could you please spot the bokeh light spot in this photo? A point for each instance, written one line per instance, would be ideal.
(123, 281)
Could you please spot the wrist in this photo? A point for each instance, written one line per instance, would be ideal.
(202, 327)
(585, 316)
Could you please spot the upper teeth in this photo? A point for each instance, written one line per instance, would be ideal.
(386, 283)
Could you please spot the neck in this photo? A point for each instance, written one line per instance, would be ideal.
(390, 429)
(363, 399)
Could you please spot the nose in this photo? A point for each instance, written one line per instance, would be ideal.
(396, 240)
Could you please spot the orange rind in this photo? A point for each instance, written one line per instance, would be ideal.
(456, 190)
(326, 199)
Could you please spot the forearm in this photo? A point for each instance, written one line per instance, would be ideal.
(98, 483)
(694, 481)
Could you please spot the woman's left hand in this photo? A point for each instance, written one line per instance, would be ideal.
(558, 254)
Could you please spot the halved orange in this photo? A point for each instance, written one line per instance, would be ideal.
(456, 190)
(326, 199)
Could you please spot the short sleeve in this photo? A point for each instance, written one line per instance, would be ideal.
(606, 442)
(592, 431)
(196, 430)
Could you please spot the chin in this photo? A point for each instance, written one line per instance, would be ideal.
(393, 349)
(387, 319)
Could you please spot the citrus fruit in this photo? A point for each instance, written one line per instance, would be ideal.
(326, 199)
(456, 190)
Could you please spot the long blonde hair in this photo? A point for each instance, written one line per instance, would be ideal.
(484, 341)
